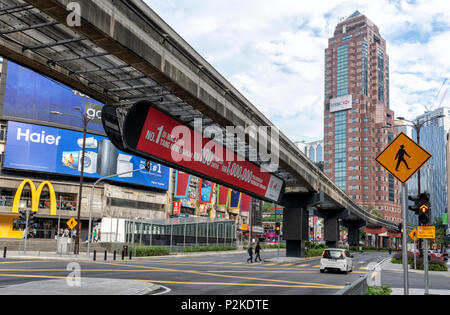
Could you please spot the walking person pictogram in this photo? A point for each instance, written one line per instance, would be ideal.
(401, 157)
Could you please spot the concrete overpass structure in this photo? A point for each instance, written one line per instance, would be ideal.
(122, 52)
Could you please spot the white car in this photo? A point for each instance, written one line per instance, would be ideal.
(336, 259)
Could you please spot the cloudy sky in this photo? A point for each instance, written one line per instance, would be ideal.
(273, 51)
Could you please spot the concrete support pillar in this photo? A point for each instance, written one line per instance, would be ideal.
(331, 231)
(295, 231)
(295, 222)
(354, 227)
(331, 224)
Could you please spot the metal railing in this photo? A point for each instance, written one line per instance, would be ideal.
(359, 287)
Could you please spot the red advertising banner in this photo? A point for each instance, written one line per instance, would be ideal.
(246, 202)
(164, 138)
(223, 196)
(176, 208)
(182, 181)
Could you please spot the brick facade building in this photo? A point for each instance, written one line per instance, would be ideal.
(358, 117)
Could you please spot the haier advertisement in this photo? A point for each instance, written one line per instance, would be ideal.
(31, 95)
(53, 150)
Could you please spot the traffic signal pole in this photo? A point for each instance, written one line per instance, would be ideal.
(405, 240)
(425, 265)
(26, 234)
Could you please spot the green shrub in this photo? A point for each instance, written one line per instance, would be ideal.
(433, 265)
(264, 246)
(384, 290)
(145, 251)
(311, 245)
(313, 252)
(208, 248)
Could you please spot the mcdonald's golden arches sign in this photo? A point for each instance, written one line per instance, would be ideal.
(35, 196)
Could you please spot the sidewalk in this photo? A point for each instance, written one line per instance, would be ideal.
(87, 286)
(387, 265)
(100, 256)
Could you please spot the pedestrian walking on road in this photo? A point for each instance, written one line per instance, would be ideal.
(257, 252)
(250, 253)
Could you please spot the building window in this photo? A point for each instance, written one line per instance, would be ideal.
(340, 149)
(364, 67)
(342, 70)
(380, 75)
(2, 132)
(346, 38)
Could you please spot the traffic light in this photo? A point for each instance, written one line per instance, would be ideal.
(415, 199)
(424, 209)
(147, 165)
(400, 228)
(23, 215)
(31, 217)
(277, 228)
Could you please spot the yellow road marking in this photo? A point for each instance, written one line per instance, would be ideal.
(242, 284)
(285, 265)
(191, 283)
(228, 276)
(24, 261)
(305, 265)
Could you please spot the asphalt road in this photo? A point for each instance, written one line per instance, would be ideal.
(203, 275)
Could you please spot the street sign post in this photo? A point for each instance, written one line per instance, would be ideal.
(426, 232)
(403, 157)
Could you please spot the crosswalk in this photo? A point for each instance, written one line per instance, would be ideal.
(263, 264)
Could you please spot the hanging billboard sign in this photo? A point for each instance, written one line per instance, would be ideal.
(155, 135)
(32, 96)
(58, 151)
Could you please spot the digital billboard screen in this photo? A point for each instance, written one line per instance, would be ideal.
(52, 150)
(33, 96)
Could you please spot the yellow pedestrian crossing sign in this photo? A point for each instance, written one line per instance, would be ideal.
(403, 157)
(72, 223)
(413, 235)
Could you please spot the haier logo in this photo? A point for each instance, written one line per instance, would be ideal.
(37, 137)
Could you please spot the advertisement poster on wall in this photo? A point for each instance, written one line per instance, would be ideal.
(31, 95)
(58, 151)
(206, 191)
(235, 199)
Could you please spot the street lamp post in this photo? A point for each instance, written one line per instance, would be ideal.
(417, 127)
(85, 119)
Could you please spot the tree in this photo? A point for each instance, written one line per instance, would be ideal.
(372, 210)
(440, 232)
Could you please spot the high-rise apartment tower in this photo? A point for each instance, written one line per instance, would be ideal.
(358, 120)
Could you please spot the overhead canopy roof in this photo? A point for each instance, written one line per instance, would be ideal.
(32, 33)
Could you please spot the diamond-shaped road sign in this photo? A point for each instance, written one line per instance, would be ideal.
(413, 235)
(403, 157)
(72, 223)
